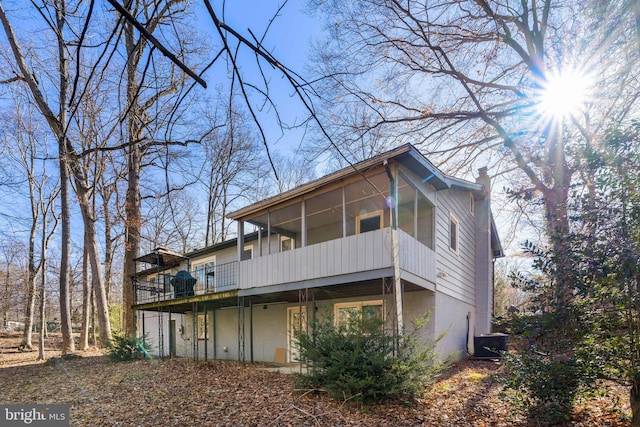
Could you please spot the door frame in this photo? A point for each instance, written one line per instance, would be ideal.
(292, 352)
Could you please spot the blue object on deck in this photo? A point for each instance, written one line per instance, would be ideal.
(183, 284)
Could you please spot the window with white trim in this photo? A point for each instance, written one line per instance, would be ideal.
(368, 309)
(287, 243)
(453, 234)
(247, 253)
(369, 222)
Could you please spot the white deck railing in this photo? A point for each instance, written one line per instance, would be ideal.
(352, 254)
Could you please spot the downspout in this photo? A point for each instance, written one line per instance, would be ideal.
(395, 252)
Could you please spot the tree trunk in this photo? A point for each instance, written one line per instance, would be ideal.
(32, 271)
(57, 125)
(86, 289)
(68, 346)
(46, 238)
(93, 253)
(43, 319)
(132, 208)
(28, 317)
(132, 238)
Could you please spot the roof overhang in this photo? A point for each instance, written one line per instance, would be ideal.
(406, 154)
(161, 257)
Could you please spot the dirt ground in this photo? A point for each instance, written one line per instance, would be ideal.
(180, 392)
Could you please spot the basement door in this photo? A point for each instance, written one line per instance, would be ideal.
(296, 322)
(172, 338)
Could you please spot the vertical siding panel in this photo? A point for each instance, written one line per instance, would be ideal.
(300, 266)
(323, 258)
(378, 249)
(362, 253)
(330, 260)
(289, 265)
(313, 260)
(337, 257)
(353, 255)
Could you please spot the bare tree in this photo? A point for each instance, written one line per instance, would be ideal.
(171, 221)
(152, 94)
(57, 17)
(31, 158)
(464, 81)
(12, 279)
(229, 155)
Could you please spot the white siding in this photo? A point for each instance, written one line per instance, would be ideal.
(353, 254)
(457, 271)
(416, 259)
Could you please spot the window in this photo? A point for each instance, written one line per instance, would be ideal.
(453, 234)
(472, 204)
(369, 222)
(205, 276)
(286, 243)
(162, 283)
(201, 328)
(426, 222)
(165, 280)
(369, 310)
(247, 253)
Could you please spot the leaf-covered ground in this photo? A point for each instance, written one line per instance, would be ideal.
(181, 392)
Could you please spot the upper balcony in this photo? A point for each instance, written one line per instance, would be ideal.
(166, 286)
(342, 231)
(363, 256)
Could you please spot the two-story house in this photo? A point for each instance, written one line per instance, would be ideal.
(391, 236)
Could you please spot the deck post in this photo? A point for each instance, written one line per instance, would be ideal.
(251, 329)
(206, 341)
(395, 251)
(241, 347)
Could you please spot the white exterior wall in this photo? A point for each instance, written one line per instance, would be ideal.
(451, 316)
(456, 272)
(157, 332)
(269, 327)
(222, 256)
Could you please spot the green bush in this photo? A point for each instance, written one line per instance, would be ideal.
(540, 386)
(361, 362)
(123, 348)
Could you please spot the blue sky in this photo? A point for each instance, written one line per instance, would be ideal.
(288, 39)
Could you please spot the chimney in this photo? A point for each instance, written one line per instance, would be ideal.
(484, 180)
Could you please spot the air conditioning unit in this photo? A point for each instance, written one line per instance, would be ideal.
(490, 346)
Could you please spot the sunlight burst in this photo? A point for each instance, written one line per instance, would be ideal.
(564, 93)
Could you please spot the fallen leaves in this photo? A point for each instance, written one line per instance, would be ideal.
(183, 392)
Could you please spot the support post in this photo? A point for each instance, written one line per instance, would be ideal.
(206, 340)
(240, 239)
(303, 299)
(241, 329)
(251, 329)
(213, 332)
(395, 251)
(194, 310)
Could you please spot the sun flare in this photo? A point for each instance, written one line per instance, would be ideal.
(564, 93)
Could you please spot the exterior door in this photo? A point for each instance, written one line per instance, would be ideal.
(172, 338)
(296, 322)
